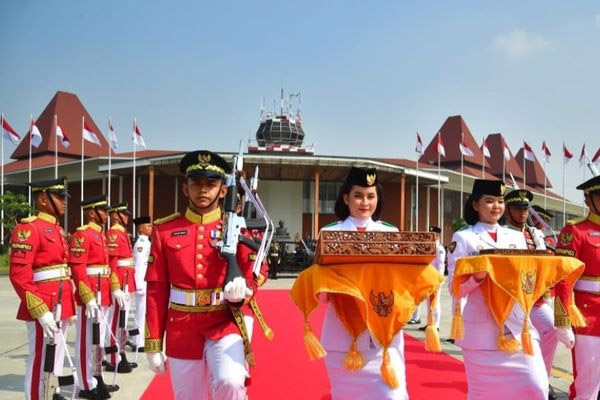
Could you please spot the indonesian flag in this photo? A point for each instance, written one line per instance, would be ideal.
(596, 158)
(9, 133)
(61, 135)
(441, 150)
(485, 149)
(546, 151)
(567, 154)
(112, 136)
(528, 152)
(36, 136)
(465, 150)
(505, 151)
(89, 135)
(137, 136)
(582, 156)
(419, 148)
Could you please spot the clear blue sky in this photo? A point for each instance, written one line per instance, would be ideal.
(370, 73)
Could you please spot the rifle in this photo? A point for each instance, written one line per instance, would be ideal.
(50, 353)
(122, 325)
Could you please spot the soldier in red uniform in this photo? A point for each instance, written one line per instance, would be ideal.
(207, 336)
(39, 272)
(120, 259)
(581, 239)
(88, 258)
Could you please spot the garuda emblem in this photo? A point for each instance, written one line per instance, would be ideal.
(528, 281)
(78, 241)
(382, 304)
(204, 158)
(371, 179)
(566, 238)
(23, 235)
(112, 237)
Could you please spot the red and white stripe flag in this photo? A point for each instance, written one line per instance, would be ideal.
(505, 150)
(441, 150)
(9, 133)
(36, 136)
(596, 158)
(419, 148)
(138, 139)
(546, 151)
(485, 149)
(89, 135)
(582, 156)
(567, 155)
(63, 138)
(112, 136)
(465, 150)
(528, 152)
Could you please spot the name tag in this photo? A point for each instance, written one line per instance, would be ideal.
(179, 233)
(594, 233)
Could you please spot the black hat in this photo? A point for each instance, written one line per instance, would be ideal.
(519, 198)
(142, 220)
(204, 164)
(120, 208)
(364, 177)
(543, 212)
(435, 229)
(488, 187)
(58, 186)
(95, 202)
(591, 185)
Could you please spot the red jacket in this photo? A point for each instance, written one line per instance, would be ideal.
(87, 249)
(183, 256)
(38, 243)
(581, 239)
(120, 255)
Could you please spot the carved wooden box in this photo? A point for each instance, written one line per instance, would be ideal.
(515, 252)
(344, 247)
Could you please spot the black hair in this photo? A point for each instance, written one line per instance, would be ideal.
(469, 213)
(341, 209)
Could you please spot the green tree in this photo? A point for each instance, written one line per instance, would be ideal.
(15, 207)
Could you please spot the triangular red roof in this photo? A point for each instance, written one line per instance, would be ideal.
(69, 110)
(495, 143)
(535, 172)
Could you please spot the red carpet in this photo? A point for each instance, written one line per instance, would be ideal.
(283, 370)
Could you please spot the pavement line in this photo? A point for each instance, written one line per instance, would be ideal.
(563, 375)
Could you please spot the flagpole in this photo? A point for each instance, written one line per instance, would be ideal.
(563, 193)
(417, 196)
(134, 148)
(109, 158)
(482, 160)
(462, 157)
(503, 162)
(82, 162)
(524, 170)
(55, 147)
(439, 183)
(583, 201)
(29, 173)
(2, 211)
(545, 179)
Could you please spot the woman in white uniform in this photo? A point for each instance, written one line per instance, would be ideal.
(491, 372)
(358, 207)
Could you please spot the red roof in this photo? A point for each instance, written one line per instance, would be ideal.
(45, 160)
(495, 143)
(69, 110)
(535, 172)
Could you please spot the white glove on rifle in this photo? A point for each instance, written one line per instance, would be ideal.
(156, 362)
(566, 337)
(91, 309)
(120, 297)
(236, 290)
(48, 324)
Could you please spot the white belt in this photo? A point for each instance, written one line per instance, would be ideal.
(95, 270)
(125, 262)
(201, 297)
(58, 272)
(588, 285)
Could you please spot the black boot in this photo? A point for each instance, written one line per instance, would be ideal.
(551, 394)
(124, 367)
(101, 388)
(58, 396)
(89, 394)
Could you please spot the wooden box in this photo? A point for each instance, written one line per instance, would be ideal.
(346, 247)
(515, 252)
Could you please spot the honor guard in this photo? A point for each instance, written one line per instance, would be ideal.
(141, 252)
(581, 239)
(94, 280)
(41, 277)
(186, 301)
(120, 259)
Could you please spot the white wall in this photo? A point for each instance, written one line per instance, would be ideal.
(283, 200)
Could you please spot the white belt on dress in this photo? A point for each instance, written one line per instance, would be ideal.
(94, 270)
(51, 272)
(588, 284)
(125, 262)
(198, 297)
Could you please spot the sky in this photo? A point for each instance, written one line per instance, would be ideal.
(371, 74)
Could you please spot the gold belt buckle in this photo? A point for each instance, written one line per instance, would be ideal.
(203, 298)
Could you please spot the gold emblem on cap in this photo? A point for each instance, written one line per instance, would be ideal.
(204, 158)
(371, 179)
(502, 189)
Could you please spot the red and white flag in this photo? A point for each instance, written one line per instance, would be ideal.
(582, 156)
(9, 133)
(419, 148)
(441, 150)
(485, 149)
(63, 138)
(465, 150)
(528, 152)
(36, 136)
(596, 158)
(138, 139)
(505, 151)
(567, 154)
(546, 151)
(89, 135)
(112, 136)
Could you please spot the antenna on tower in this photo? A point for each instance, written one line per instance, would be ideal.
(262, 108)
(281, 101)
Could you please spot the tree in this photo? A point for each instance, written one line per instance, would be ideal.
(15, 207)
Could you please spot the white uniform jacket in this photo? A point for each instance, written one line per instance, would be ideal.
(334, 336)
(141, 252)
(481, 331)
(440, 259)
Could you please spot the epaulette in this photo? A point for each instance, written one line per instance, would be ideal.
(81, 228)
(576, 221)
(29, 219)
(388, 224)
(331, 224)
(166, 219)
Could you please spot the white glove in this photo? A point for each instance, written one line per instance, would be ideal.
(236, 290)
(566, 337)
(156, 362)
(48, 324)
(91, 309)
(120, 297)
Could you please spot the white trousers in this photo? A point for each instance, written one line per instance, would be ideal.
(586, 359)
(115, 332)
(140, 318)
(542, 319)
(84, 348)
(437, 312)
(34, 370)
(220, 375)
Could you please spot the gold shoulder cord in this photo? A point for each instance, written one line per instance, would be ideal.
(238, 315)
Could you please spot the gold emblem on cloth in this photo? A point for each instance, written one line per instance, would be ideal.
(23, 235)
(203, 299)
(112, 237)
(382, 304)
(78, 241)
(566, 238)
(204, 158)
(528, 279)
(371, 179)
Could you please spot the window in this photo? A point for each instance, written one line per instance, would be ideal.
(328, 192)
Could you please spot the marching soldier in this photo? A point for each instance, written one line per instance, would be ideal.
(581, 239)
(120, 259)
(88, 258)
(141, 252)
(207, 346)
(39, 273)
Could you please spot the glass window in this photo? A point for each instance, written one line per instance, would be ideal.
(328, 192)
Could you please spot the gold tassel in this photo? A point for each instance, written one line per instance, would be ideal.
(269, 332)
(354, 360)
(387, 371)
(457, 331)
(577, 318)
(313, 347)
(432, 336)
(526, 339)
(505, 344)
